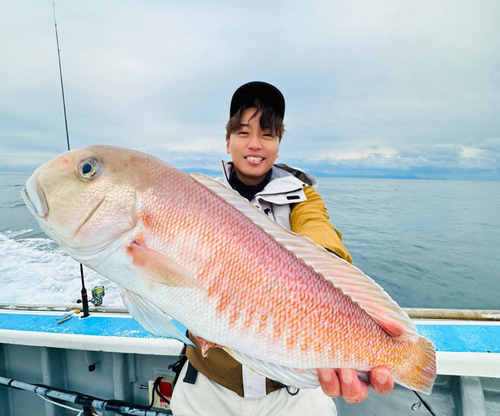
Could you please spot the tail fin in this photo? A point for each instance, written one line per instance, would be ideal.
(420, 372)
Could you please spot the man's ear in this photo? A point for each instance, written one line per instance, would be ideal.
(228, 150)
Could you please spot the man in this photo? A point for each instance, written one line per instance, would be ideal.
(218, 384)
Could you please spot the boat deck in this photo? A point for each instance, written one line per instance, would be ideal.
(463, 347)
(118, 357)
(110, 332)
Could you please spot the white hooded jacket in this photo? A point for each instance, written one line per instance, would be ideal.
(284, 189)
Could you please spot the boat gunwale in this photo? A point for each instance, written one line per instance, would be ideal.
(414, 313)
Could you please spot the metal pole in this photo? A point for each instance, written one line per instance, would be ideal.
(84, 400)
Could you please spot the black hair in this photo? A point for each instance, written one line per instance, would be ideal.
(269, 119)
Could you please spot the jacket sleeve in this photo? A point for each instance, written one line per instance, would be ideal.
(310, 218)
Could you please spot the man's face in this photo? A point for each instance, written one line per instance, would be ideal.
(253, 150)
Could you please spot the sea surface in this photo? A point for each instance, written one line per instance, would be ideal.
(433, 244)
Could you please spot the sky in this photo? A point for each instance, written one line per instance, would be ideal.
(391, 88)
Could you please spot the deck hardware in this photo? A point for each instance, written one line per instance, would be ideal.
(68, 316)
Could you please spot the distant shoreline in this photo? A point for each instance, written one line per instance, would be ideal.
(319, 174)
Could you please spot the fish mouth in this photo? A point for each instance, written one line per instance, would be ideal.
(34, 198)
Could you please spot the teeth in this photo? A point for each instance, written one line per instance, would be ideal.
(254, 159)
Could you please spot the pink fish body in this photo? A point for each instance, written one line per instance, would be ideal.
(187, 247)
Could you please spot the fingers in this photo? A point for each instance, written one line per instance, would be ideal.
(329, 382)
(348, 385)
(353, 390)
(381, 380)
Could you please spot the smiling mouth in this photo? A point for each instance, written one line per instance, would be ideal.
(254, 159)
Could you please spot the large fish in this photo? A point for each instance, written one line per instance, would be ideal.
(188, 247)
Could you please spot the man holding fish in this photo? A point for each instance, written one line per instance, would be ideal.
(287, 305)
(217, 383)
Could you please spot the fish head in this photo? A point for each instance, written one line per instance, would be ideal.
(86, 199)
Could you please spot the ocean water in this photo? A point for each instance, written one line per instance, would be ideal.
(431, 244)
(33, 269)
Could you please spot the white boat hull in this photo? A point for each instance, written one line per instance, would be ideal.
(108, 355)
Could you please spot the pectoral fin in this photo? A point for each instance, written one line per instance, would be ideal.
(151, 318)
(159, 268)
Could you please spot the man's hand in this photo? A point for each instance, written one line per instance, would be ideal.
(348, 385)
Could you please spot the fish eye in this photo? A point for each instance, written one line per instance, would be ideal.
(88, 168)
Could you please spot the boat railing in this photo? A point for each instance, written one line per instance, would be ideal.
(414, 313)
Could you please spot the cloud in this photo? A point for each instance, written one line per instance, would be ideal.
(388, 85)
(443, 161)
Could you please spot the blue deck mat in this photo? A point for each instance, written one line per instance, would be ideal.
(92, 325)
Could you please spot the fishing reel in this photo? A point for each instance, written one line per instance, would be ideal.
(97, 295)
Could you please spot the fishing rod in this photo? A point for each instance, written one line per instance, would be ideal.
(85, 300)
(417, 405)
(87, 402)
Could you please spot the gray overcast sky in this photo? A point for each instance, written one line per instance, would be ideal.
(391, 87)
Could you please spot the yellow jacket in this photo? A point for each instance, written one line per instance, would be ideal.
(310, 218)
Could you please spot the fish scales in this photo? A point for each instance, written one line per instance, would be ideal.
(230, 275)
(293, 315)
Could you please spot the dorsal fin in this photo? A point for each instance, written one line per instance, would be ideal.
(356, 285)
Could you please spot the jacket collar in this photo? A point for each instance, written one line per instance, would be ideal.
(284, 178)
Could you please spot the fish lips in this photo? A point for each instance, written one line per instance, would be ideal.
(34, 198)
